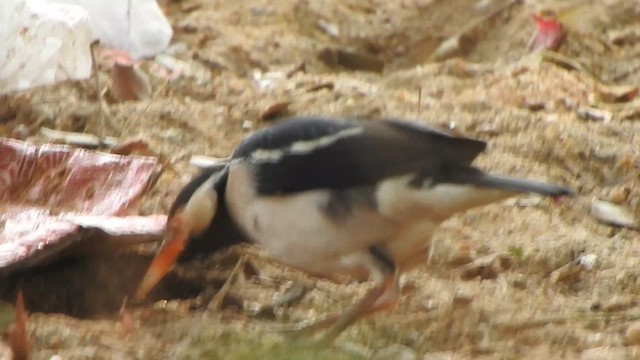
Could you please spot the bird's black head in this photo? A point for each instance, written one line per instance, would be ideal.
(206, 234)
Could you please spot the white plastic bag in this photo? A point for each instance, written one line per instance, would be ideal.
(136, 26)
(42, 43)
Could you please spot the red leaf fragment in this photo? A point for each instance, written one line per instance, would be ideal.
(549, 31)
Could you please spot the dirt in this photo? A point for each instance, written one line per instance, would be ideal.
(253, 62)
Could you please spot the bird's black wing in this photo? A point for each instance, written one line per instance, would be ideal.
(325, 153)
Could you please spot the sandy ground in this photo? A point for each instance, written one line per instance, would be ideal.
(245, 57)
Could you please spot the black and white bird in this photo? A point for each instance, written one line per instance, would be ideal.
(338, 196)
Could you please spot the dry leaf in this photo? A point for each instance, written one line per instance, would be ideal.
(276, 110)
(455, 46)
(617, 94)
(18, 338)
(488, 267)
(129, 83)
(133, 147)
(549, 31)
(351, 60)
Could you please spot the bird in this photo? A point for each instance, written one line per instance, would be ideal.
(344, 196)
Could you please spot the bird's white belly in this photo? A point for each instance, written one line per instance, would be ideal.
(297, 230)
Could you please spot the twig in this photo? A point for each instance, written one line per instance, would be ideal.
(125, 128)
(222, 293)
(567, 62)
(102, 111)
(419, 101)
(584, 317)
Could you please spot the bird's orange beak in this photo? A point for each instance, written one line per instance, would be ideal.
(174, 243)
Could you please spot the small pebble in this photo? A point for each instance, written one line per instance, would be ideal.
(604, 353)
(632, 335)
(396, 352)
(247, 125)
(612, 214)
(588, 261)
(21, 132)
(461, 301)
(440, 355)
(355, 349)
(618, 195)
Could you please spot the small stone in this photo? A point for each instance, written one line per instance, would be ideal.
(618, 195)
(604, 353)
(520, 282)
(330, 29)
(21, 132)
(612, 214)
(588, 261)
(203, 161)
(632, 335)
(396, 352)
(488, 267)
(441, 355)
(461, 301)
(172, 134)
(594, 114)
(454, 46)
(355, 349)
(464, 255)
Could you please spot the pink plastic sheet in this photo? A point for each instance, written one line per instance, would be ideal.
(55, 196)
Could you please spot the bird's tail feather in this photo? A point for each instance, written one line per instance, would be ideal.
(479, 178)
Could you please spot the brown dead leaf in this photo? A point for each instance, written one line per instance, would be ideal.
(324, 85)
(488, 267)
(351, 60)
(567, 273)
(455, 46)
(276, 110)
(617, 94)
(137, 147)
(129, 83)
(18, 338)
